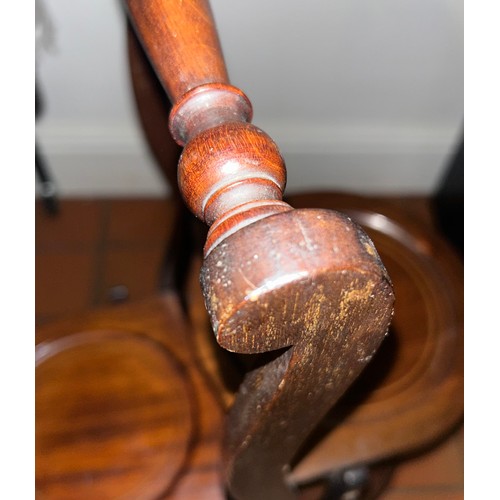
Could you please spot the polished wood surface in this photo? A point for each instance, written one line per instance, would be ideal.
(153, 108)
(412, 392)
(231, 176)
(87, 401)
(124, 410)
(326, 300)
(181, 39)
(301, 295)
(310, 282)
(137, 392)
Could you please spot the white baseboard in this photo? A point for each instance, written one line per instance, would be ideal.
(100, 161)
(113, 160)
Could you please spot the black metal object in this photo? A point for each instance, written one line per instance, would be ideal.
(449, 200)
(48, 190)
(47, 186)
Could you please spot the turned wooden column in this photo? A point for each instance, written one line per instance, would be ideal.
(230, 173)
(307, 285)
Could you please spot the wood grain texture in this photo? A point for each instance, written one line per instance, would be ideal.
(318, 319)
(153, 108)
(227, 163)
(181, 40)
(114, 417)
(412, 392)
(309, 281)
(123, 410)
(273, 278)
(227, 166)
(230, 176)
(410, 395)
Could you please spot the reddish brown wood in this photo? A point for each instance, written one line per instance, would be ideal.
(153, 108)
(207, 106)
(125, 399)
(79, 411)
(123, 409)
(231, 173)
(327, 298)
(410, 396)
(181, 40)
(273, 278)
(228, 166)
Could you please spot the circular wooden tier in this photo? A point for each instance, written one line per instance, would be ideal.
(113, 417)
(412, 391)
(130, 399)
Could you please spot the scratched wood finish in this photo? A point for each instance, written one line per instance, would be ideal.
(273, 278)
(326, 300)
(401, 403)
(410, 396)
(320, 331)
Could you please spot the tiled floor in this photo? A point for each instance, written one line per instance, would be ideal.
(94, 246)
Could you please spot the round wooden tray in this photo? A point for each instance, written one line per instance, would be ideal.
(126, 397)
(412, 391)
(113, 417)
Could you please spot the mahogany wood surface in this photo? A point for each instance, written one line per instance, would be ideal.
(411, 394)
(123, 409)
(310, 282)
(153, 108)
(181, 39)
(326, 300)
(87, 401)
(131, 399)
(301, 294)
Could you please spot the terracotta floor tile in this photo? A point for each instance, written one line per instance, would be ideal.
(139, 221)
(135, 268)
(78, 224)
(64, 282)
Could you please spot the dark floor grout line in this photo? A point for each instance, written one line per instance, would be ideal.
(90, 248)
(100, 252)
(42, 319)
(51, 248)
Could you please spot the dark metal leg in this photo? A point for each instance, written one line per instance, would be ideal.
(449, 200)
(48, 188)
(358, 483)
(347, 485)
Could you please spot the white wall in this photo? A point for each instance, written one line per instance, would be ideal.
(363, 95)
